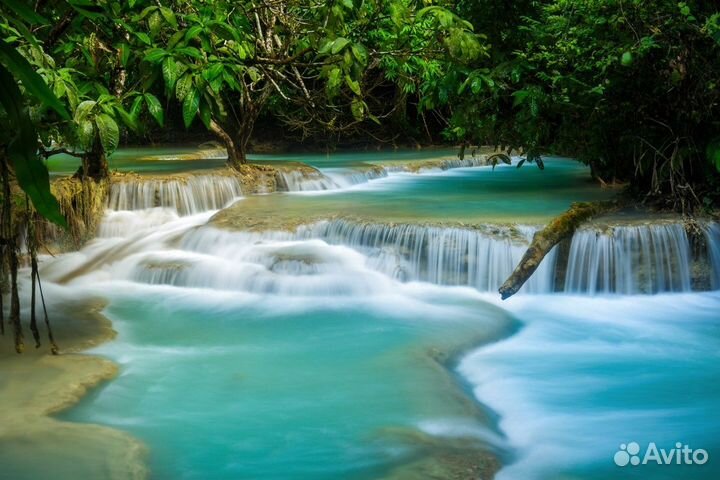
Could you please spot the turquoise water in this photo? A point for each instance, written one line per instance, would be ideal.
(466, 195)
(263, 357)
(179, 159)
(235, 386)
(586, 375)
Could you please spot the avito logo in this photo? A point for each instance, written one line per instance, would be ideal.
(629, 454)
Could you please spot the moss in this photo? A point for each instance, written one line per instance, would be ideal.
(83, 204)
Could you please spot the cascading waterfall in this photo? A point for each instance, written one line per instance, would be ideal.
(634, 259)
(712, 241)
(444, 256)
(187, 195)
(347, 177)
(304, 181)
(625, 260)
(326, 179)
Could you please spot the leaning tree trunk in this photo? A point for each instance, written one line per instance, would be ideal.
(543, 241)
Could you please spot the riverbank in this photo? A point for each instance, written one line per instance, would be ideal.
(36, 385)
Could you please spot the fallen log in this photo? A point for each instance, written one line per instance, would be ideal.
(543, 241)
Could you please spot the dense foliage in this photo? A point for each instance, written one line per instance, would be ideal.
(630, 87)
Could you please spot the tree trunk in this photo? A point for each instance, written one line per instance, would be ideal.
(94, 164)
(235, 150)
(543, 241)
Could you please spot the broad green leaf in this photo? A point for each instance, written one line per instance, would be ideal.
(169, 16)
(124, 53)
(353, 84)
(146, 11)
(170, 72)
(205, 114)
(144, 37)
(136, 107)
(154, 23)
(155, 108)
(213, 71)
(183, 86)
(193, 32)
(128, 119)
(86, 134)
(339, 44)
(154, 55)
(33, 83)
(190, 106)
(83, 110)
(360, 53)
(30, 171)
(108, 132)
(190, 52)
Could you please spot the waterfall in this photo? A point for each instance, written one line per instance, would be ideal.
(630, 260)
(304, 180)
(712, 242)
(188, 195)
(444, 256)
(347, 177)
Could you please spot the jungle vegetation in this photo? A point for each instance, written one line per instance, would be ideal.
(630, 87)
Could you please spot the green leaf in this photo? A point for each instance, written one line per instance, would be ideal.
(144, 37)
(353, 84)
(154, 55)
(213, 71)
(136, 107)
(86, 134)
(155, 108)
(190, 106)
(108, 131)
(339, 44)
(154, 23)
(169, 16)
(183, 86)
(205, 114)
(124, 52)
(170, 72)
(627, 59)
(25, 12)
(128, 119)
(33, 83)
(357, 107)
(193, 32)
(360, 53)
(190, 52)
(713, 153)
(30, 171)
(83, 110)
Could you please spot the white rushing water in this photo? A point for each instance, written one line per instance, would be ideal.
(187, 195)
(631, 259)
(624, 259)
